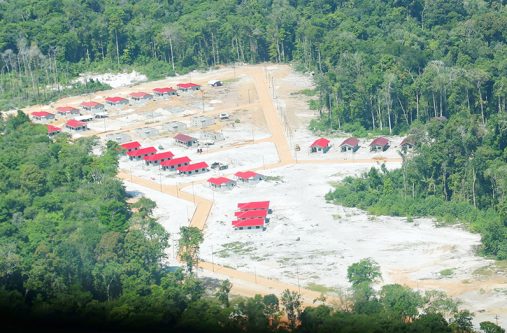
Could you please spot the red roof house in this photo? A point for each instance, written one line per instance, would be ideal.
(221, 182)
(255, 205)
(76, 125)
(52, 130)
(92, 106)
(156, 159)
(175, 163)
(185, 140)
(350, 144)
(194, 168)
(140, 96)
(130, 146)
(249, 224)
(141, 153)
(248, 176)
(188, 86)
(250, 214)
(321, 144)
(66, 110)
(116, 101)
(42, 115)
(164, 91)
(379, 144)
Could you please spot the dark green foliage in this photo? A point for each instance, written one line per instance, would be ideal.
(489, 327)
(365, 271)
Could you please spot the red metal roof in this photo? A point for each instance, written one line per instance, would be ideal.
(142, 151)
(322, 143)
(66, 109)
(350, 142)
(53, 129)
(249, 214)
(130, 145)
(115, 99)
(253, 205)
(42, 114)
(380, 141)
(176, 161)
(159, 156)
(184, 138)
(245, 174)
(249, 223)
(139, 94)
(75, 123)
(192, 167)
(219, 181)
(90, 104)
(164, 90)
(187, 85)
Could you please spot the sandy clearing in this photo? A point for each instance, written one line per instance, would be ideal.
(114, 80)
(331, 237)
(328, 237)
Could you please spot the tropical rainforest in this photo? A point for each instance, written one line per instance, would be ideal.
(73, 250)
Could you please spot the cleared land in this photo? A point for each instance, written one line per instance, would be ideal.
(308, 243)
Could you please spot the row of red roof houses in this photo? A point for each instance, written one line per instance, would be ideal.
(113, 101)
(352, 144)
(139, 96)
(62, 111)
(251, 215)
(71, 124)
(243, 177)
(165, 160)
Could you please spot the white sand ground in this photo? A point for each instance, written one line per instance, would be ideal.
(114, 80)
(331, 237)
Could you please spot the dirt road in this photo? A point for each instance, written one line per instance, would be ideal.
(248, 284)
(270, 113)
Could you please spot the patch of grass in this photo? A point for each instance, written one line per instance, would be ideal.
(501, 265)
(305, 92)
(337, 216)
(284, 261)
(257, 258)
(320, 288)
(238, 248)
(484, 271)
(500, 291)
(273, 178)
(448, 272)
(230, 80)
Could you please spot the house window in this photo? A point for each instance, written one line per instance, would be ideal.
(249, 227)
